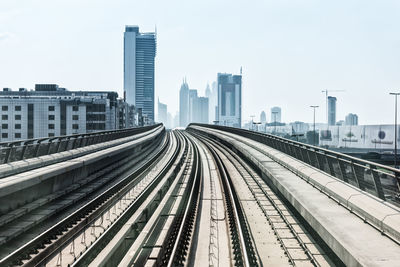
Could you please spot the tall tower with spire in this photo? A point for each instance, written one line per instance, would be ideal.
(184, 104)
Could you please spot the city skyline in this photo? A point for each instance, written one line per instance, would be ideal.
(291, 52)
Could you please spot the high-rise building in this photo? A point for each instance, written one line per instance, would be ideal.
(263, 117)
(230, 99)
(139, 55)
(203, 109)
(331, 110)
(193, 106)
(351, 119)
(162, 113)
(184, 104)
(212, 96)
(276, 114)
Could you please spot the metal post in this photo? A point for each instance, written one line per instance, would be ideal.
(314, 107)
(395, 128)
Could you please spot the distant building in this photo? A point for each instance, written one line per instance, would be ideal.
(351, 119)
(176, 122)
(212, 96)
(198, 107)
(203, 109)
(139, 55)
(340, 123)
(193, 106)
(170, 121)
(230, 100)
(53, 111)
(331, 110)
(263, 117)
(276, 114)
(162, 113)
(184, 104)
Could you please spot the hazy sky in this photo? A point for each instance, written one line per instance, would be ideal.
(289, 50)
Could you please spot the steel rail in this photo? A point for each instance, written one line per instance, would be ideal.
(56, 232)
(234, 212)
(182, 238)
(227, 151)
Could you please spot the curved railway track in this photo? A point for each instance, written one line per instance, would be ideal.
(107, 185)
(187, 201)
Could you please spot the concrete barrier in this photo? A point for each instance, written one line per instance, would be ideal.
(25, 187)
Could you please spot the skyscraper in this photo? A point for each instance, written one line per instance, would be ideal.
(193, 106)
(263, 117)
(276, 114)
(139, 54)
(184, 104)
(331, 110)
(230, 99)
(203, 109)
(162, 113)
(351, 119)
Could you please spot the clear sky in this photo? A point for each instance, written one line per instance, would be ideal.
(289, 50)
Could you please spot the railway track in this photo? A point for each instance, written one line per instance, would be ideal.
(188, 200)
(64, 215)
(290, 242)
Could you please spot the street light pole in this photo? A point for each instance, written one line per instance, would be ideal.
(314, 107)
(395, 128)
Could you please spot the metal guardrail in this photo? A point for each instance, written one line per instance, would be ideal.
(377, 179)
(31, 148)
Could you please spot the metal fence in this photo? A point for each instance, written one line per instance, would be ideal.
(377, 179)
(25, 149)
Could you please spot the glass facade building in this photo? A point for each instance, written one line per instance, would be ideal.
(139, 55)
(230, 100)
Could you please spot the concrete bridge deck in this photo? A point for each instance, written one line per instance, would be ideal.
(208, 195)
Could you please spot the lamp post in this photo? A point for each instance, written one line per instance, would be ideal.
(395, 128)
(252, 119)
(314, 107)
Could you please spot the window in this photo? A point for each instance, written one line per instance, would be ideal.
(51, 108)
(17, 117)
(51, 126)
(4, 126)
(17, 126)
(75, 126)
(17, 135)
(4, 117)
(4, 108)
(96, 108)
(51, 134)
(75, 117)
(51, 117)
(4, 135)
(17, 108)
(96, 117)
(75, 108)
(95, 126)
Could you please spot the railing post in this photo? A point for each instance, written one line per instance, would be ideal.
(37, 147)
(8, 153)
(359, 179)
(23, 150)
(377, 182)
(59, 144)
(342, 170)
(49, 146)
(330, 166)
